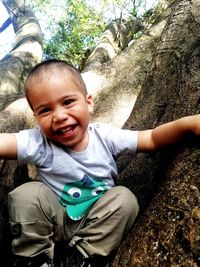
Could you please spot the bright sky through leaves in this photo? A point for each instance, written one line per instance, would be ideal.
(7, 36)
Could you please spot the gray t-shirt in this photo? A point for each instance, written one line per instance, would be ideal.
(77, 178)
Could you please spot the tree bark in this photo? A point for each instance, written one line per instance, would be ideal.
(113, 41)
(14, 67)
(116, 84)
(167, 232)
(27, 51)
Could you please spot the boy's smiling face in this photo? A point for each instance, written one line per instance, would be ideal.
(61, 109)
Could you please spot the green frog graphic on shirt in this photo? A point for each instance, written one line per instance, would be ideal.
(78, 197)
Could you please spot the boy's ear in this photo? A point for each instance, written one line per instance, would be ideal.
(90, 102)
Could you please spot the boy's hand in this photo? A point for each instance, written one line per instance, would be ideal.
(8, 146)
(167, 134)
(195, 124)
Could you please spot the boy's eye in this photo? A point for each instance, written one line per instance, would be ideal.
(68, 102)
(44, 110)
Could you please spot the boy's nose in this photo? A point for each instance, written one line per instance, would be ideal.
(60, 114)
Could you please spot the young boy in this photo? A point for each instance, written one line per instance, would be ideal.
(76, 202)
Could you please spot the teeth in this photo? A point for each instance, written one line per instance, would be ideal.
(66, 129)
(75, 218)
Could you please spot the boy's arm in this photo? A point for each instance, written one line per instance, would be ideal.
(8, 146)
(167, 134)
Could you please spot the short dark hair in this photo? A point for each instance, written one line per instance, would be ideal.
(48, 66)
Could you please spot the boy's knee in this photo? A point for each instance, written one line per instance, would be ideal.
(31, 196)
(25, 193)
(126, 201)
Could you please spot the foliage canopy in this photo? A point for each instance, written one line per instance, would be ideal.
(72, 26)
(79, 29)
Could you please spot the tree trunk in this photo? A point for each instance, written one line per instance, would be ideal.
(116, 84)
(14, 67)
(167, 233)
(27, 51)
(115, 39)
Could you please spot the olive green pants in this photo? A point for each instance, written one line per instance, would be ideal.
(38, 221)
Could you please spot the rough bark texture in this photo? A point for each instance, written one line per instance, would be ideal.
(27, 51)
(167, 233)
(115, 39)
(14, 67)
(116, 84)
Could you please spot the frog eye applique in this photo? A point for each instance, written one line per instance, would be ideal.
(97, 191)
(74, 192)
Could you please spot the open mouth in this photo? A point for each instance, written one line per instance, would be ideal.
(66, 131)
